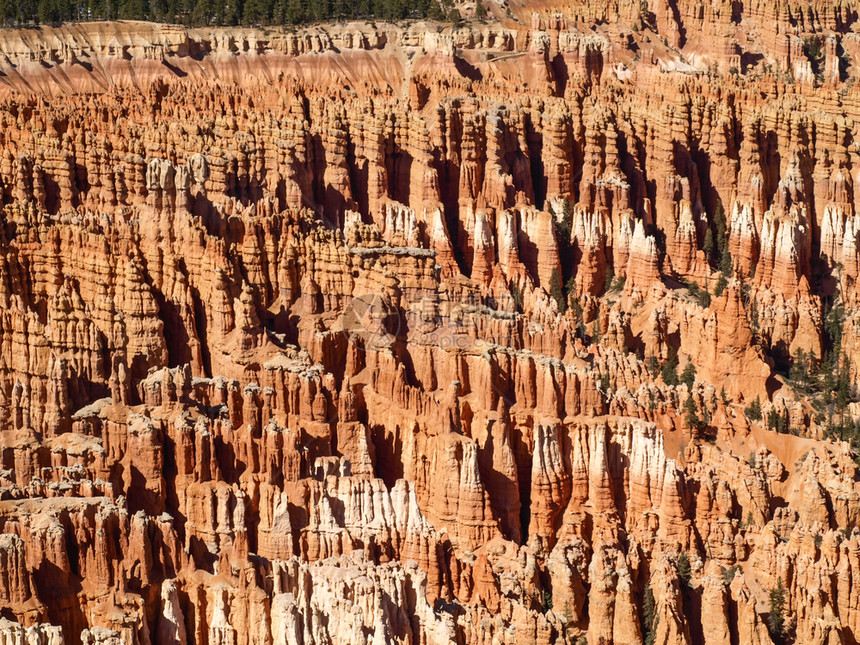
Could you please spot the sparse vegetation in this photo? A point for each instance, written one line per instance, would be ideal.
(605, 385)
(608, 279)
(813, 49)
(729, 573)
(753, 410)
(777, 422)
(826, 382)
(701, 295)
(546, 601)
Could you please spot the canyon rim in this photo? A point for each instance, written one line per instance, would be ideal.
(538, 327)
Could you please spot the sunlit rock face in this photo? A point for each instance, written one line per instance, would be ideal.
(365, 333)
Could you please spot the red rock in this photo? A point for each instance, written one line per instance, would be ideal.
(312, 335)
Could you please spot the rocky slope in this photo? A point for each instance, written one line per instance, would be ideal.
(366, 333)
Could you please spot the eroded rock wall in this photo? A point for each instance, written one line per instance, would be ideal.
(349, 334)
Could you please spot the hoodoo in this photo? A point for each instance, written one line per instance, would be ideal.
(519, 322)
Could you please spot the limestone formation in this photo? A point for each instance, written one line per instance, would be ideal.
(507, 331)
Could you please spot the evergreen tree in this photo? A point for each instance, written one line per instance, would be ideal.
(25, 11)
(232, 12)
(605, 385)
(683, 566)
(688, 376)
(691, 409)
(649, 616)
(8, 12)
(134, 10)
(776, 617)
(670, 368)
(708, 246)
(562, 222)
(294, 12)
(104, 9)
(843, 381)
(557, 292)
(833, 323)
(722, 283)
(227, 12)
(258, 12)
(754, 317)
(204, 12)
(725, 256)
(159, 11)
(608, 279)
(799, 372)
(753, 412)
(774, 420)
(49, 12)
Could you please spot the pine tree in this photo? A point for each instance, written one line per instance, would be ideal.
(25, 11)
(833, 326)
(725, 256)
(754, 317)
(649, 616)
(708, 246)
(608, 279)
(227, 12)
(774, 420)
(753, 412)
(557, 292)
(843, 380)
(134, 10)
(7, 12)
(691, 409)
(722, 283)
(204, 12)
(653, 365)
(47, 12)
(233, 12)
(776, 617)
(670, 368)
(684, 571)
(688, 376)
(258, 11)
(294, 12)
(799, 372)
(158, 10)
